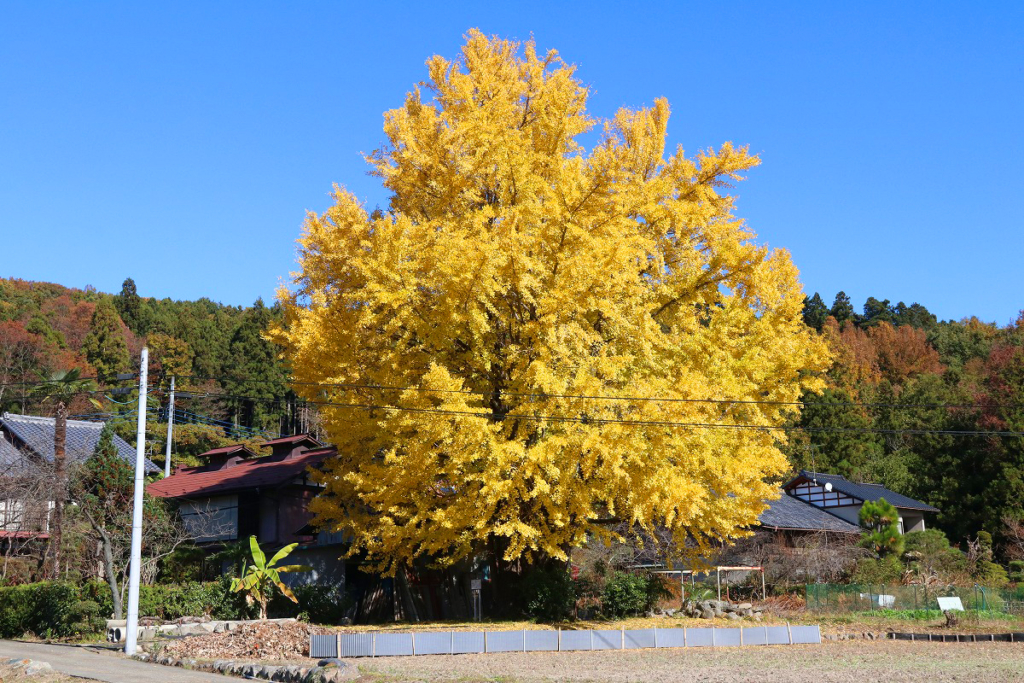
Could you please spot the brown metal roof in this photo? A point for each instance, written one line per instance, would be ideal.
(247, 474)
(295, 438)
(233, 449)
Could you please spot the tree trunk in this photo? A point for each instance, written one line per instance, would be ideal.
(108, 566)
(408, 606)
(60, 473)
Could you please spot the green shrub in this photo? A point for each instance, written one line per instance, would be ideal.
(15, 610)
(48, 610)
(322, 604)
(62, 610)
(875, 571)
(631, 594)
(548, 594)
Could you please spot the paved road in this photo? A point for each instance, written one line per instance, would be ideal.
(104, 666)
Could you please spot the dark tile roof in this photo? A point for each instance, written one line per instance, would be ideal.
(256, 473)
(11, 458)
(870, 492)
(36, 433)
(792, 513)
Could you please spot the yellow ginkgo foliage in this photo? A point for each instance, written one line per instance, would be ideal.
(520, 349)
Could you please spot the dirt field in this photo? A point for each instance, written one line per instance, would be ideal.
(842, 662)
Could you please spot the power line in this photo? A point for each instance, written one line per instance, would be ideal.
(639, 423)
(595, 397)
(544, 396)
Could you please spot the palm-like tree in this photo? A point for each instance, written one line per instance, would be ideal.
(258, 578)
(60, 387)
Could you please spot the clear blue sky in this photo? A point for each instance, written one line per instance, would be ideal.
(181, 143)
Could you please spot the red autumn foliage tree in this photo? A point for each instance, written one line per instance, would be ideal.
(903, 352)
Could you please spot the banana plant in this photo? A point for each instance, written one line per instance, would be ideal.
(257, 578)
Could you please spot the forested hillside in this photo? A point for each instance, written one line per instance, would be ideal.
(216, 352)
(901, 383)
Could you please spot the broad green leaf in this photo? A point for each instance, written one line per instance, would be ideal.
(282, 553)
(258, 558)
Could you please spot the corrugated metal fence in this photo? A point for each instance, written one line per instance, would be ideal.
(478, 642)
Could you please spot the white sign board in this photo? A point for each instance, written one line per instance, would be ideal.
(950, 604)
(880, 600)
(474, 584)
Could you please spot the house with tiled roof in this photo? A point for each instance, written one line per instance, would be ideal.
(790, 514)
(237, 493)
(32, 435)
(26, 448)
(842, 498)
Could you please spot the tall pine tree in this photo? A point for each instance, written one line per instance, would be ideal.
(255, 372)
(842, 309)
(105, 347)
(815, 312)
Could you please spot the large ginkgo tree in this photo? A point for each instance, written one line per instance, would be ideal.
(538, 342)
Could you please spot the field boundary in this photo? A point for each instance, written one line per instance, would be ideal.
(960, 637)
(389, 644)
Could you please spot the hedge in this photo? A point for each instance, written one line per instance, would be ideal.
(64, 610)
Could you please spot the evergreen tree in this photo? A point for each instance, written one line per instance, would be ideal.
(105, 488)
(131, 308)
(848, 453)
(105, 347)
(914, 315)
(815, 312)
(876, 311)
(254, 370)
(882, 536)
(842, 309)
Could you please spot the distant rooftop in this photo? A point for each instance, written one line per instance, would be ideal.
(864, 492)
(256, 473)
(794, 514)
(36, 434)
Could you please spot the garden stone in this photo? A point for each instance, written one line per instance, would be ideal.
(37, 668)
(744, 605)
(732, 615)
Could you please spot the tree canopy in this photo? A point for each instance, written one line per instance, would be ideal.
(517, 281)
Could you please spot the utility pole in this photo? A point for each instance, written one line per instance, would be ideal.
(170, 431)
(132, 628)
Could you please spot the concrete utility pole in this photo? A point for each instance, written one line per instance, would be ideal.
(170, 431)
(132, 628)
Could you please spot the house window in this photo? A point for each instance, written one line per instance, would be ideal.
(815, 494)
(214, 519)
